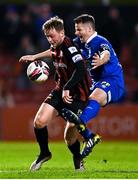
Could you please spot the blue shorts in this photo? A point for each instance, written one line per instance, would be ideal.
(114, 90)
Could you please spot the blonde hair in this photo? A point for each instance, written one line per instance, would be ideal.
(53, 23)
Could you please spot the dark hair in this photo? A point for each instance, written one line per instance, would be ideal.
(53, 23)
(85, 18)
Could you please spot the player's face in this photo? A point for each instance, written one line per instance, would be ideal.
(55, 38)
(83, 31)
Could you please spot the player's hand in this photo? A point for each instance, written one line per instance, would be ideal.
(27, 58)
(96, 61)
(66, 97)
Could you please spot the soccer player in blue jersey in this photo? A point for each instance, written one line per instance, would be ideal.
(105, 71)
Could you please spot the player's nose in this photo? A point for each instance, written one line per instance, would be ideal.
(49, 40)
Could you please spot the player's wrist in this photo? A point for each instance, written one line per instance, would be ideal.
(35, 57)
(101, 61)
(104, 57)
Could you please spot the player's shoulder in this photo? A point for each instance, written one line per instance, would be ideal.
(68, 42)
(99, 41)
(76, 40)
(100, 38)
(69, 45)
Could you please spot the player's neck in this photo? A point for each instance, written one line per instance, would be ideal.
(91, 36)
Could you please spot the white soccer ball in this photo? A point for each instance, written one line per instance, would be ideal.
(38, 71)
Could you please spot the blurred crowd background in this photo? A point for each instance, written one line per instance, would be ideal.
(21, 34)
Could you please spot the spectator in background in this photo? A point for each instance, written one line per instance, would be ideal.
(10, 27)
(27, 26)
(44, 12)
(134, 57)
(69, 24)
(134, 44)
(113, 29)
(105, 2)
(25, 47)
(6, 98)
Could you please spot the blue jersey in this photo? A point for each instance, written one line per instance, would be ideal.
(109, 74)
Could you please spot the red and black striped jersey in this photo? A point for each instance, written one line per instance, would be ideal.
(71, 73)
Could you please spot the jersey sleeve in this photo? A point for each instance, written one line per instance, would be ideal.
(74, 54)
(72, 51)
(104, 47)
(76, 77)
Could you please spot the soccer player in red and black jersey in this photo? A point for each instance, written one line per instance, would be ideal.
(71, 91)
(70, 71)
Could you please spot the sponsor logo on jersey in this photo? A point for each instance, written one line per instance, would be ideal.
(77, 58)
(72, 49)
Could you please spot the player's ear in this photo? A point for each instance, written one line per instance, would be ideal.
(62, 32)
(90, 28)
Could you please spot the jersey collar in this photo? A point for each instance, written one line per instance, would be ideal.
(91, 37)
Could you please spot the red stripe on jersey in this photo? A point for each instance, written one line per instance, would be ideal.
(67, 41)
(65, 68)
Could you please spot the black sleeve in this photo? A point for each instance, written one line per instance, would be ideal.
(77, 75)
(104, 47)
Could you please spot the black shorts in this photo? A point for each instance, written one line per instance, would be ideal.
(56, 101)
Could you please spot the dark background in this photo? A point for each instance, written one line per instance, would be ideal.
(21, 34)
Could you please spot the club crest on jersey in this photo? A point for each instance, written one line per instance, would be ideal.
(72, 49)
(105, 84)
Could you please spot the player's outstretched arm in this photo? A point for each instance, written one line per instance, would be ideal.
(34, 57)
